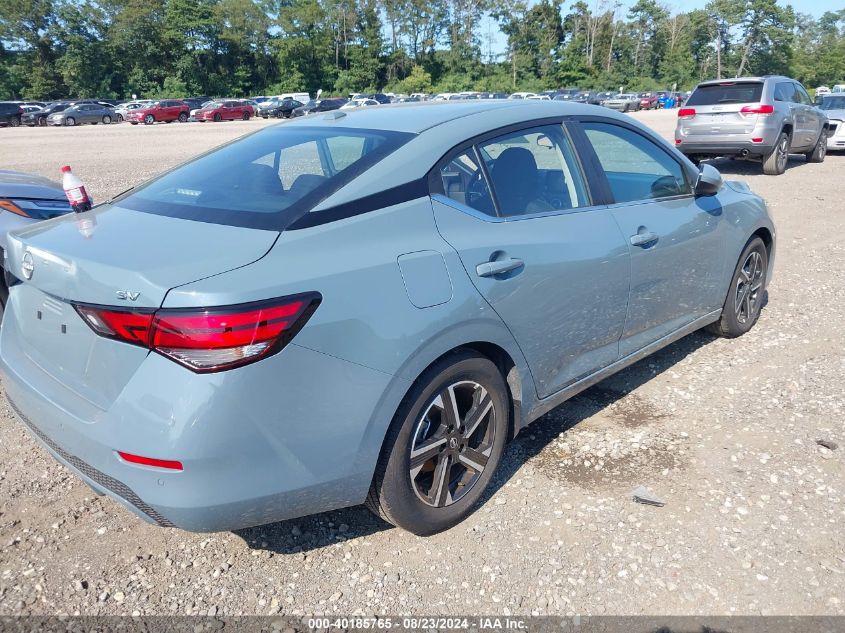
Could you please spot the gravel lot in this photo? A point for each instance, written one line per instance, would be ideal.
(724, 431)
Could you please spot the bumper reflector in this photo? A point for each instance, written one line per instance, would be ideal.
(150, 461)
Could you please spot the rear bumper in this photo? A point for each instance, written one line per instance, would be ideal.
(289, 436)
(727, 148)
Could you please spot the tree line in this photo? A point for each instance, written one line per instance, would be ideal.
(173, 48)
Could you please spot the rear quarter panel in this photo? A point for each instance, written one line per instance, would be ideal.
(366, 316)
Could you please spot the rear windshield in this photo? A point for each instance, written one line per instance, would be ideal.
(266, 180)
(732, 92)
(833, 103)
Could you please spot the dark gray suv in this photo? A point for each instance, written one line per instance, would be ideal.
(757, 118)
(10, 114)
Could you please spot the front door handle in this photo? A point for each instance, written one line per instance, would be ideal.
(499, 267)
(643, 239)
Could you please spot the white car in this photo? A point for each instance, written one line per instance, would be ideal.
(192, 116)
(522, 95)
(833, 105)
(539, 98)
(359, 103)
(123, 108)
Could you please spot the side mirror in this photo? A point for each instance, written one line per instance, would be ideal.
(709, 181)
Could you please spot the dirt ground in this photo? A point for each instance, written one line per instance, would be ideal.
(725, 431)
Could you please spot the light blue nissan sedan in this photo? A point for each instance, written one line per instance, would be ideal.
(365, 306)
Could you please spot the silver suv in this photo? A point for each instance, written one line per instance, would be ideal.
(758, 118)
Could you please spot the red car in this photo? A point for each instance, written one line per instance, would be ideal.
(225, 111)
(167, 111)
(648, 101)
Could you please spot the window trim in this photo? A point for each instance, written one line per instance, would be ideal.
(435, 182)
(598, 171)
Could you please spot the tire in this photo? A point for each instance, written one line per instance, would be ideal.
(817, 154)
(774, 163)
(217, 117)
(740, 315)
(106, 120)
(149, 119)
(15, 121)
(119, 118)
(133, 123)
(42, 122)
(70, 121)
(411, 500)
(183, 118)
(4, 293)
(245, 117)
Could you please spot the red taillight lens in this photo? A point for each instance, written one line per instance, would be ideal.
(208, 339)
(127, 326)
(686, 113)
(758, 109)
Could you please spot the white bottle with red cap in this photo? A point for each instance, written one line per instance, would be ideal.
(75, 191)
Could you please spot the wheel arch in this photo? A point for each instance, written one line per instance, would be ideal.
(507, 367)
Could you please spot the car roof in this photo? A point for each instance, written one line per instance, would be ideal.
(735, 80)
(416, 117)
(438, 127)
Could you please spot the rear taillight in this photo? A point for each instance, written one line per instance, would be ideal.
(758, 109)
(207, 339)
(686, 113)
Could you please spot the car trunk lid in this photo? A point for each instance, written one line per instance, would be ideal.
(109, 257)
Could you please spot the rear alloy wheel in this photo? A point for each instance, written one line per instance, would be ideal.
(14, 121)
(443, 445)
(42, 121)
(774, 163)
(106, 119)
(217, 117)
(819, 151)
(70, 121)
(745, 296)
(245, 116)
(149, 119)
(183, 118)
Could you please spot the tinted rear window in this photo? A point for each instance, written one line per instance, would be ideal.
(833, 103)
(266, 180)
(741, 92)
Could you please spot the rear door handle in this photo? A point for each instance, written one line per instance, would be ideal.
(642, 239)
(491, 269)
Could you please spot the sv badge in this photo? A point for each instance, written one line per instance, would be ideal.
(127, 295)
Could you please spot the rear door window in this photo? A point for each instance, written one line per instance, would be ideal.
(728, 92)
(785, 91)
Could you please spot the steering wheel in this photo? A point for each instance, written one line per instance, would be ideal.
(476, 189)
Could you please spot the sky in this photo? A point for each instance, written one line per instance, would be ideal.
(498, 44)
